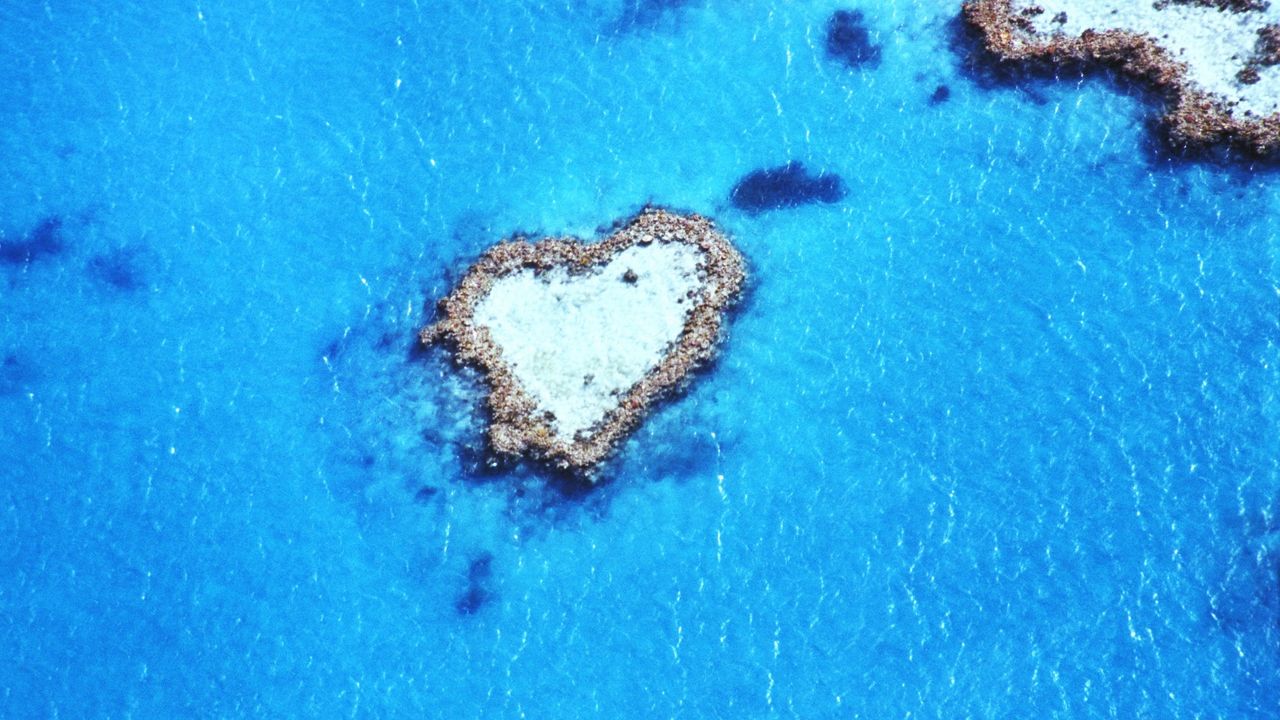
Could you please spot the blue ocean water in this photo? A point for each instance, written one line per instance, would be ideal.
(994, 435)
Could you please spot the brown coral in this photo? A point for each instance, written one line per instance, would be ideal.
(516, 425)
(1193, 119)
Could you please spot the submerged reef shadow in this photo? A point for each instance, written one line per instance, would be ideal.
(481, 465)
(122, 269)
(645, 15)
(17, 372)
(1248, 594)
(785, 186)
(45, 240)
(478, 591)
(849, 41)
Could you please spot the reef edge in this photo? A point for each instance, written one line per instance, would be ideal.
(516, 426)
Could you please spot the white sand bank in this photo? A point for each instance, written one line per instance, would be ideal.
(576, 342)
(1215, 44)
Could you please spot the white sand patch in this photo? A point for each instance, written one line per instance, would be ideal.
(1215, 44)
(578, 342)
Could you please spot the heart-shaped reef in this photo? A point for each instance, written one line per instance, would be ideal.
(576, 341)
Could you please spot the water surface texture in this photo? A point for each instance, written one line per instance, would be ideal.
(994, 435)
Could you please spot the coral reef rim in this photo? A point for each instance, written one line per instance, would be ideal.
(576, 341)
(1210, 67)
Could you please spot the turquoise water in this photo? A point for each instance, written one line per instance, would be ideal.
(994, 435)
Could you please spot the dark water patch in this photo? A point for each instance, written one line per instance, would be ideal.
(849, 42)
(537, 488)
(17, 372)
(644, 15)
(479, 463)
(471, 601)
(481, 568)
(336, 348)
(43, 241)
(1248, 597)
(331, 350)
(383, 334)
(541, 503)
(575, 487)
(122, 269)
(671, 452)
(388, 340)
(478, 592)
(415, 351)
(472, 230)
(1231, 163)
(941, 94)
(786, 186)
(425, 494)
(1034, 95)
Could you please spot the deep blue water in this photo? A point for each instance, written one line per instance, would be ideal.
(995, 433)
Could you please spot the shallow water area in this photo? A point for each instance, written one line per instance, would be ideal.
(993, 434)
